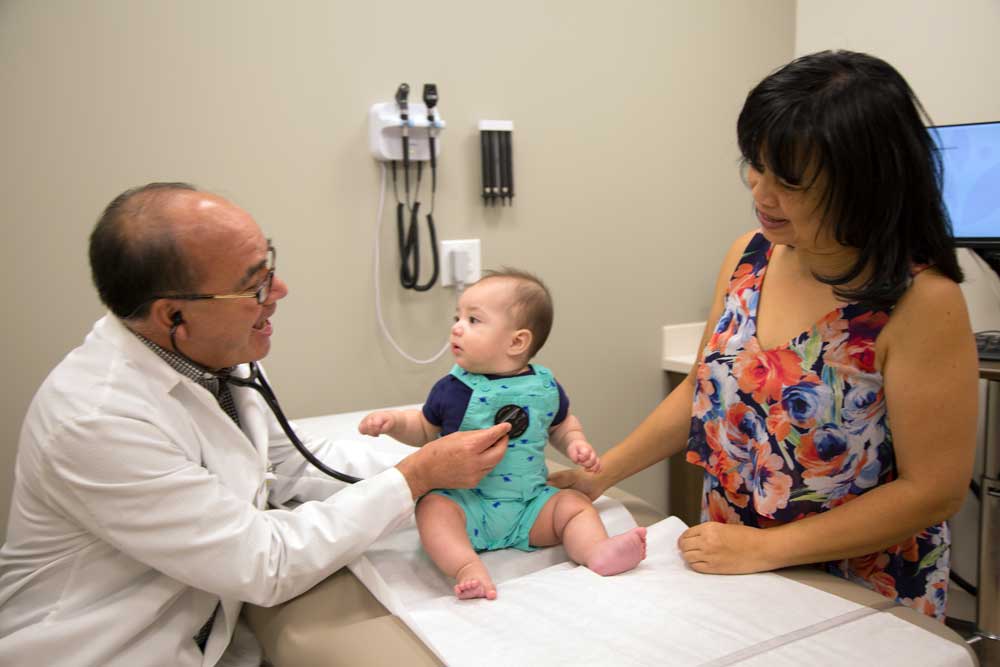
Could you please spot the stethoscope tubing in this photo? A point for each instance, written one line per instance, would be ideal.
(257, 382)
(264, 389)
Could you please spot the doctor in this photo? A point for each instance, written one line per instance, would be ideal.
(139, 521)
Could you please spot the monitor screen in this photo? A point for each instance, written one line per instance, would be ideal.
(970, 154)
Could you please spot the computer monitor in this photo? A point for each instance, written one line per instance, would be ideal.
(970, 154)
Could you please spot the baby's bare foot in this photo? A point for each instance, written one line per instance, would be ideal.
(619, 553)
(473, 581)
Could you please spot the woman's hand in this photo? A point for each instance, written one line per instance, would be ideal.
(724, 548)
(587, 483)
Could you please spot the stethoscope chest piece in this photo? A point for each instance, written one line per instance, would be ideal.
(514, 415)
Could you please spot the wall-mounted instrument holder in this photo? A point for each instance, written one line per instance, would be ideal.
(385, 131)
(495, 140)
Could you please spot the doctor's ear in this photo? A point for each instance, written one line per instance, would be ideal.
(165, 316)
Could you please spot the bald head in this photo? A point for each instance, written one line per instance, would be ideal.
(138, 246)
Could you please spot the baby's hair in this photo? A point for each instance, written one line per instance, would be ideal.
(532, 308)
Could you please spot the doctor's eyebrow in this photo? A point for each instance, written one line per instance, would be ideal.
(250, 273)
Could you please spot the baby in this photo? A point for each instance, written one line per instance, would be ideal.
(501, 323)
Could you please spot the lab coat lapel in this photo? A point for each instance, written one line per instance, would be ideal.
(225, 448)
(226, 451)
(254, 417)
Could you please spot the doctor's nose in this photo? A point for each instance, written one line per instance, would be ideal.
(279, 289)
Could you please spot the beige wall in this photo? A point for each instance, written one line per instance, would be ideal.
(625, 161)
(948, 51)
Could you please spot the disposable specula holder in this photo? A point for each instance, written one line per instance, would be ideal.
(498, 161)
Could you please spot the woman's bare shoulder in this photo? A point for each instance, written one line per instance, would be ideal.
(930, 317)
(930, 292)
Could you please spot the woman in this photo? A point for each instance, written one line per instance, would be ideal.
(834, 403)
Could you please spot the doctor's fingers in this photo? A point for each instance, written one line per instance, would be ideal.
(482, 440)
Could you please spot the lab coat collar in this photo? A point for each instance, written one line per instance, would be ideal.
(251, 410)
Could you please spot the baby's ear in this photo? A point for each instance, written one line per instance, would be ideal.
(520, 343)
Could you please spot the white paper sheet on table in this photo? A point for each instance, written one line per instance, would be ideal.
(660, 613)
(551, 612)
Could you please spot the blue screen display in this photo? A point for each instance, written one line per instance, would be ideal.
(971, 158)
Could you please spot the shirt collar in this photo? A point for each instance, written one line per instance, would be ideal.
(186, 368)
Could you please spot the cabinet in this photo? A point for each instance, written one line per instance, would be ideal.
(680, 346)
(988, 598)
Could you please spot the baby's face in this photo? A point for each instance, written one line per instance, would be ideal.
(484, 329)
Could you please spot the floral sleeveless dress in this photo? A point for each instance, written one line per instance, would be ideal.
(798, 429)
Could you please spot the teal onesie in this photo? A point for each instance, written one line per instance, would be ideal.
(501, 510)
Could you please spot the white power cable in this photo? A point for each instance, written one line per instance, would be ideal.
(378, 284)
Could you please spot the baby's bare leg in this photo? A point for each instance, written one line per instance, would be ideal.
(570, 518)
(441, 523)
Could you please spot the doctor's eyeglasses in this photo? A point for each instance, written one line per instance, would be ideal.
(260, 292)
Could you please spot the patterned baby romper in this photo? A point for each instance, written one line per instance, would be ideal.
(801, 428)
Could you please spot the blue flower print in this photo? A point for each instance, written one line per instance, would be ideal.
(806, 402)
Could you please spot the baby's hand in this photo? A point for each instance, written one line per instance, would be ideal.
(581, 453)
(377, 423)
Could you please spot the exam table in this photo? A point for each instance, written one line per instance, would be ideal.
(339, 622)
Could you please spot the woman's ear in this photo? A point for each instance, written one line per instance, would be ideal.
(520, 343)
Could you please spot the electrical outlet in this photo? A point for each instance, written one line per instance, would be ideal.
(460, 259)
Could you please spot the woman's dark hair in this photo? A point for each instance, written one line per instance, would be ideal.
(133, 253)
(853, 120)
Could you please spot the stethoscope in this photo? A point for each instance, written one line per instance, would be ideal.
(257, 382)
(516, 416)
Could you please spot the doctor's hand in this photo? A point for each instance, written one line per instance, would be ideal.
(725, 548)
(456, 461)
(377, 423)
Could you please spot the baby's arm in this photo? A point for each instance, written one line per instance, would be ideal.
(569, 439)
(408, 426)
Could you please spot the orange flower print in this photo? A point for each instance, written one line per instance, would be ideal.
(762, 374)
(865, 566)
(908, 550)
(832, 329)
(856, 352)
(884, 584)
(770, 486)
(778, 423)
(824, 452)
(744, 430)
(802, 429)
(720, 511)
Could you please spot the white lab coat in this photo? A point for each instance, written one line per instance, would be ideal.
(138, 505)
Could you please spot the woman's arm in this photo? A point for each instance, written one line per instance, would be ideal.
(930, 373)
(665, 431)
